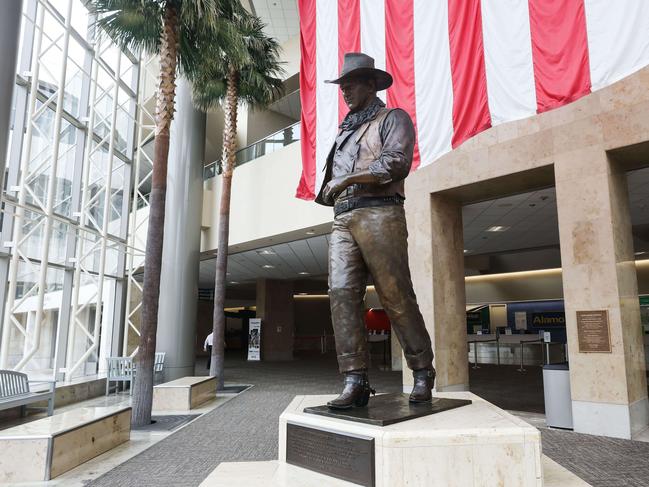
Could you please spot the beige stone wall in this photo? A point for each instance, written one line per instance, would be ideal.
(263, 201)
(584, 150)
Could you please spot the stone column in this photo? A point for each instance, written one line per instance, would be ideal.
(436, 254)
(182, 233)
(396, 354)
(275, 308)
(609, 390)
(9, 31)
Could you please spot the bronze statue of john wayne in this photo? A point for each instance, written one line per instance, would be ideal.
(364, 182)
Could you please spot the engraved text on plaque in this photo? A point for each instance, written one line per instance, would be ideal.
(346, 457)
(593, 331)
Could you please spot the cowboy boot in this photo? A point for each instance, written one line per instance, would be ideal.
(424, 382)
(355, 393)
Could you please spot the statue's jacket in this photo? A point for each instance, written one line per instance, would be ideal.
(383, 145)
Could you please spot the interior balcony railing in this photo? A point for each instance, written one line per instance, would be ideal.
(271, 143)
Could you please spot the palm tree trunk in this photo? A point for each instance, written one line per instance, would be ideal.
(143, 391)
(229, 147)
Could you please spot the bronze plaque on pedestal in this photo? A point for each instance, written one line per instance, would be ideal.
(342, 456)
(593, 331)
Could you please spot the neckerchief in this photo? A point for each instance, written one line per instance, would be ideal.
(354, 120)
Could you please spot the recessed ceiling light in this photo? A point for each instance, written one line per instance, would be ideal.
(640, 253)
(266, 252)
(303, 294)
(268, 266)
(303, 273)
(310, 232)
(234, 282)
(497, 228)
(465, 251)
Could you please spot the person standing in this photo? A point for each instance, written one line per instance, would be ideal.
(207, 347)
(364, 182)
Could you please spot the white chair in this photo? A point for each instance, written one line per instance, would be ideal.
(158, 365)
(120, 369)
(123, 369)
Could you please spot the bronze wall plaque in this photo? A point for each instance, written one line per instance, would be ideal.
(593, 331)
(345, 457)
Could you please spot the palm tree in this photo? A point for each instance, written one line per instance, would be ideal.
(169, 29)
(226, 81)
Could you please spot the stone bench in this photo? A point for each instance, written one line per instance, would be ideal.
(48, 447)
(184, 393)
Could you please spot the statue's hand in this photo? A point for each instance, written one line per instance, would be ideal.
(334, 187)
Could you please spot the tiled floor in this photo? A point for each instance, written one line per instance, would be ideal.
(246, 428)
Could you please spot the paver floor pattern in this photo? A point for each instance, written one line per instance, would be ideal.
(600, 461)
(246, 428)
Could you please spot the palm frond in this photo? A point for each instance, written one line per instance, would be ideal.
(244, 46)
(133, 24)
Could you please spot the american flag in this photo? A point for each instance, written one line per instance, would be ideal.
(462, 66)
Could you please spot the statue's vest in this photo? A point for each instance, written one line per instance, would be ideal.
(368, 149)
(368, 141)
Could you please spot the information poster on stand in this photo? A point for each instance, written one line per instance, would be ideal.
(254, 339)
(520, 318)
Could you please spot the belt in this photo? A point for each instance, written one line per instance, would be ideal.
(349, 204)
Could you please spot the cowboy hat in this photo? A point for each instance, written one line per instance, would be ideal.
(359, 64)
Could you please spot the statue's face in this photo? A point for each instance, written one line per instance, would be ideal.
(358, 92)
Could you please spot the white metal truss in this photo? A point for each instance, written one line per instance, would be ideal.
(149, 72)
(89, 228)
(87, 250)
(28, 174)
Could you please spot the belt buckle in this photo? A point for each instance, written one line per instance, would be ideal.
(343, 206)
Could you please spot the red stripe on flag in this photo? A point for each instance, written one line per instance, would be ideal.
(470, 100)
(349, 39)
(307, 10)
(400, 60)
(559, 51)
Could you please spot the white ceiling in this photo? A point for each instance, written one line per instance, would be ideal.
(288, 261)
(639, 196)
(280, 16)
(532, 218)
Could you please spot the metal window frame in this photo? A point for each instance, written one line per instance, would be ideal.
(78, 229)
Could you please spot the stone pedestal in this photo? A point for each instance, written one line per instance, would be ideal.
(46, 448)
(184, 394)
(477, 444)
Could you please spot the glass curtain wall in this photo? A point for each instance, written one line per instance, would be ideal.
(66, 201)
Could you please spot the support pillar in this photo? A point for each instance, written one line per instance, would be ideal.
(609, 389)
(180, 253)
(436, 256)
(275, 308)
(9, 31)
(396, 354)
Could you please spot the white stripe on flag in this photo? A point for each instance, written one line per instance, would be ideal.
(373, 33)
(433, 82)
(508, 59)
(326, 94)
(618, 39)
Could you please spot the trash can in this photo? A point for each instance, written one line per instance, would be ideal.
(556, 390)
